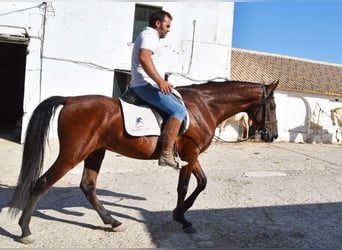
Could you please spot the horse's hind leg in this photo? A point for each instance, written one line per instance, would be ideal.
(43, 184)
(339, 139)
(91, 170)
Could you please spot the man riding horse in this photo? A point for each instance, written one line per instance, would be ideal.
(147, 82)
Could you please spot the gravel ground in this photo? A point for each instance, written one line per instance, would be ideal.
(258, 195)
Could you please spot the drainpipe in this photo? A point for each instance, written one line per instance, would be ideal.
(192, 45)
(44, 5)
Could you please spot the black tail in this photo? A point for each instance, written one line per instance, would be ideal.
(33, 154)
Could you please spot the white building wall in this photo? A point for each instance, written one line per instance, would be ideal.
(27, 15)
(101, 34)
(305, 118)
(302, 118)
(85, 41)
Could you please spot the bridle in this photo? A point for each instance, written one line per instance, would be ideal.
(265, 99)
(263, 130)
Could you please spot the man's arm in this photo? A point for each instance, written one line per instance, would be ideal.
(147, 64)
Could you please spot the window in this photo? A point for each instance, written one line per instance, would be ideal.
(141, 18)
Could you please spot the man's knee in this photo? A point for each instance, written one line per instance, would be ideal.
(181, 113)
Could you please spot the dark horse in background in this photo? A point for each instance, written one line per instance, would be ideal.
(90, 125)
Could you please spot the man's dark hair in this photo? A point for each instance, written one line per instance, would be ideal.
(159, 15)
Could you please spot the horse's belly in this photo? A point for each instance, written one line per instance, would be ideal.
(139, 148)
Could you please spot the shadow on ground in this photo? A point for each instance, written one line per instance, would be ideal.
(307, 225)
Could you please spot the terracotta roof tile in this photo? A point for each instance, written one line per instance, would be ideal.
(294, 74)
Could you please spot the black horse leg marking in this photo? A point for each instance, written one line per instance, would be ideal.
(58, 169)
(183, 206)
(182, 189)
(24, 221)
(92, 165)
(201, 184)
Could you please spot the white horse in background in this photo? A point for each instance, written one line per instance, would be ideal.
(240, 118)
(336, 118)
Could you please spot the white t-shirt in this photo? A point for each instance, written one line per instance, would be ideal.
(147, 39)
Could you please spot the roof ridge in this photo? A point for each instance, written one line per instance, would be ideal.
(287, 57)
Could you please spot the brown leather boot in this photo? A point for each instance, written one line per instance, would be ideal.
(169, 135)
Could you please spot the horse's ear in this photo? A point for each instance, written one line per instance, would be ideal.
(271, 87)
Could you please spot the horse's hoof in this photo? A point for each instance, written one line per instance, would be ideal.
(120, 228)
(26, 240)
(190, 230)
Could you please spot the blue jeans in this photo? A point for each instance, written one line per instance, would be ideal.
(167, 103)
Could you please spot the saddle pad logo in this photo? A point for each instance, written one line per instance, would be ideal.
(139, 122)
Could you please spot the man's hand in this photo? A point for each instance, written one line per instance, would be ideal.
(165, 87)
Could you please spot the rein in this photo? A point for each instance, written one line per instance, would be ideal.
(225, 141)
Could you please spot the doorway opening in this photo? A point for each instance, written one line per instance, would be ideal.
(13, 51)
(122, 79)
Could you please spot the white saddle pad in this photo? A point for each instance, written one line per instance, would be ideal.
(139, 120)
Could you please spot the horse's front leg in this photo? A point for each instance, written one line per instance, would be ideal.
(247, 132)
(245, 128)
(246, 135)
(92, 166)
(182, 204)
(182, 189)
(221, 128)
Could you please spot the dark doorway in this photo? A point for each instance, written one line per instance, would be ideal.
(12, 82)
(122, 79)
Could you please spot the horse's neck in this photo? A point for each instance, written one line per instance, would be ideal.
(226, 99)
(234, 100)
(338, 116)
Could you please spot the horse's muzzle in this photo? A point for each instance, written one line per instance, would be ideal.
(268, 137)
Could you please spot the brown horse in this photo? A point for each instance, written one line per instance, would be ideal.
(90, 125)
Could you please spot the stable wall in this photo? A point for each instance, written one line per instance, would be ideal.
(305, 117)
(302, 118)
(75, 46)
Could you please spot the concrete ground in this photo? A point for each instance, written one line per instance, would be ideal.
(258, 195)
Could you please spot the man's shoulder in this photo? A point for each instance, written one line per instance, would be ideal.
(148, 39)
(149, 32)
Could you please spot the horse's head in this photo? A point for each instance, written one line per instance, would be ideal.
(263, 114)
